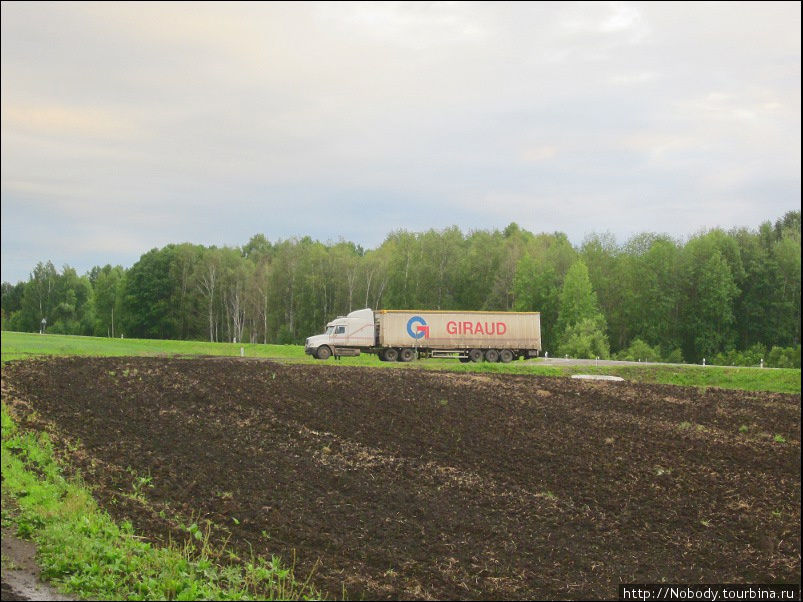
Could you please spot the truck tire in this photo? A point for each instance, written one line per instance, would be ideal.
(323, 352)
(475, 355)
(390, 354)
(406, 355)
(492, 355)
(506, 356)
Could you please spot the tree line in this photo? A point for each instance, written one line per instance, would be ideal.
(720, 295)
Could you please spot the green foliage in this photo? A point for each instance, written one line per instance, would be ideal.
(585, 340)
(749, 357)
(578, 301)
(639, 351)
(718, 293)
(707, 319)
(784, 357)
(581, 325)
(673, 356)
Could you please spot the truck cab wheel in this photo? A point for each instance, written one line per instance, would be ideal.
(390, 354)
(506, 356)
(323, 353)
(492, 355)
(475, 355)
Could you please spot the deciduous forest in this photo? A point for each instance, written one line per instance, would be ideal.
(732, 297)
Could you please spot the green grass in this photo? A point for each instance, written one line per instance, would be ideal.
(87, 554)
(16, 345)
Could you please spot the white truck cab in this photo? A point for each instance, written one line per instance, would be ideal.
(344, 335)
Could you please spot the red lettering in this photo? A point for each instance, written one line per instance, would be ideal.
(468, 328)
(490, 329)
(451, 327)
(501, 328)
(478, 329)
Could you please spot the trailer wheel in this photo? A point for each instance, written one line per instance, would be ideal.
(506, 356)
(390, 354)
(492, 355)
(323, 352)
(464, 359)
(406, 355)
(475, 355)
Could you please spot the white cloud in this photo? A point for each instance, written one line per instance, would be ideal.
(211, 121)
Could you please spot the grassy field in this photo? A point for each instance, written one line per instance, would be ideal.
(17, 345)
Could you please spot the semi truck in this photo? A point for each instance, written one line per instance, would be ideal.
(404, 335)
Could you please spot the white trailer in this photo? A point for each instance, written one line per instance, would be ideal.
(404, 335)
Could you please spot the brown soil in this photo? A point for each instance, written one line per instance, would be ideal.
(413, 484)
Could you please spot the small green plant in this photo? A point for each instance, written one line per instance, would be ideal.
(195, 531)
(779, 439)
(139, 484)
(743, 428)
(7, 563)
(685, 425)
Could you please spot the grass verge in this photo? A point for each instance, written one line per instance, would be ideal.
(19, 345)
(86, 554)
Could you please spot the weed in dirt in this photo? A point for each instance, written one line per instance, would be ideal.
(685, 425)
(7, 563)
(743, 428)
(779, 439)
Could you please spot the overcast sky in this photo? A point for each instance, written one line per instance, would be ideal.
(130, 126)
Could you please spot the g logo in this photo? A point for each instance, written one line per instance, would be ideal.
(417, 328)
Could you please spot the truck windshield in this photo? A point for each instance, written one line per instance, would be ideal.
(330, 329)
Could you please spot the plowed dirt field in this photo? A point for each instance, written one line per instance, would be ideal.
(418, 484)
